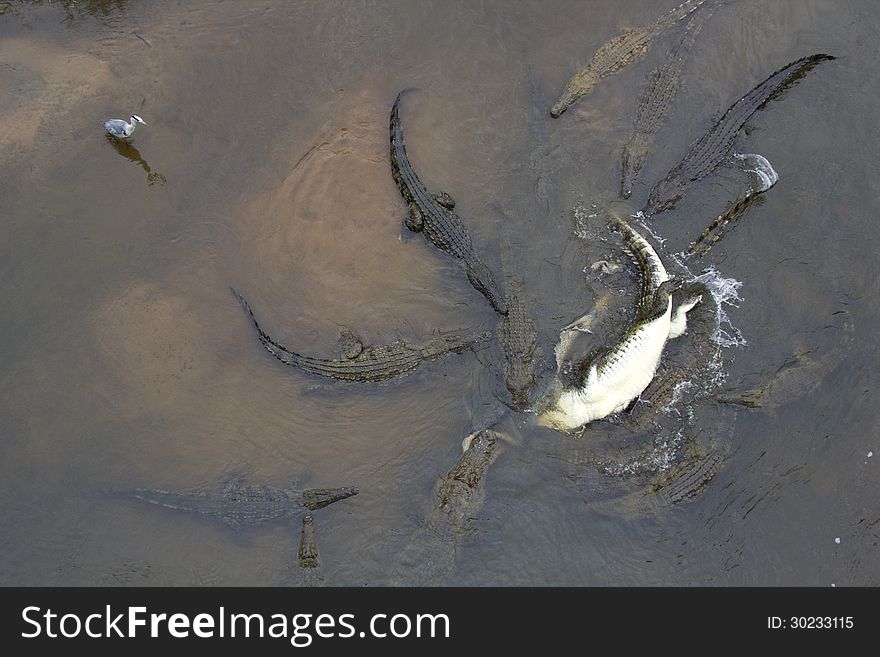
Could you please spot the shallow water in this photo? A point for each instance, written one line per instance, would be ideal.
(127, 363)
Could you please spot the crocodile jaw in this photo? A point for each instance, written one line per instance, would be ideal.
(678, 323)
(664, 195)
(635, 151)
(318, 498)
(579, 86)
(519, 381)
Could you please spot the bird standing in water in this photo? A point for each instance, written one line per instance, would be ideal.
(122, 129)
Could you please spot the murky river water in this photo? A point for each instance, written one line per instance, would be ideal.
(126, 362)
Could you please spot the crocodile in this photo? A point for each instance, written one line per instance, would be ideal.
(608, 381)
(798, 376)
(239, 502)
(519, 342)
(686, 482)
(766, 177)
(433, 215)
(367, 364)
(618, 53)
(656, 102)
(430, 555)
(673, 378)
(309, 561)
(707, 153)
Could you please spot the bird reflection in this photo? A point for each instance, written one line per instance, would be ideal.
(129, 152)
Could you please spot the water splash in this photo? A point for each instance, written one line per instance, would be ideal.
(676, 422)
(583, 221)
(758, 165)
(662, 455)
(641, 218)
(678, 394)
(725, 291)
(762, 177)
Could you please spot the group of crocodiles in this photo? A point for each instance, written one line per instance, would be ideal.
(627, 382)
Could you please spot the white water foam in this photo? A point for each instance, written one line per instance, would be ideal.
(678, 394)
(657, 459)
(759, 165)
(726, 293)
(724, 290)
(583, 217)
(641, 219)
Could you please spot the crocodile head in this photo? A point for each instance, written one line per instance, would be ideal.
(462, 482)
(483, 280)
(561, 105)
(481, 444)
(519, 379)
(634, 153)
(318, 498)
(664, 195)
(350, 345)
(578, 86)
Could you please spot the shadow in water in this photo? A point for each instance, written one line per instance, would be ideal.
(129, 152)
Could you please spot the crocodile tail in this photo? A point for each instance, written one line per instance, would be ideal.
(635, 151)
(694, 26)
(676, 14)
(707, 238)
(247, 308)
(264, 337)
(158, 497)
(846, 328)
(690, 480)
(395, 115)
(785, 77)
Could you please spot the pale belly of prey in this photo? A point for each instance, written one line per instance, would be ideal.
(621, 377)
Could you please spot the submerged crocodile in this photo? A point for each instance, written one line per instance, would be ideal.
(687, 480)
(675, 468)
(309, 561)
(796, 377)
(367, 364)
(519, 341)
(617, 54)
(766, 177)
(239, 502)
(608, 381)
(430, 556)
(656, 102)
(707, 153)
(433, 215)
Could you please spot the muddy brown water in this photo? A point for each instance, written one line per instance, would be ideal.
(125, 361)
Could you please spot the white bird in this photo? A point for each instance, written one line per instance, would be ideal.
(122, 129)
